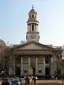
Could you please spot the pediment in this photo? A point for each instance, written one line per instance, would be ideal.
(33, 46)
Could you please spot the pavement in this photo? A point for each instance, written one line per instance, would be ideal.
(47, 82)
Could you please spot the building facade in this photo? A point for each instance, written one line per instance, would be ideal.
(32, 54)
(43, 59)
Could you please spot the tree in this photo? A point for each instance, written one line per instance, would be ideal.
(7, 53)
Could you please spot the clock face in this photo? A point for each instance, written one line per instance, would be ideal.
(32, 36)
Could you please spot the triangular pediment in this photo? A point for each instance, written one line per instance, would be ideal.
(33, 46)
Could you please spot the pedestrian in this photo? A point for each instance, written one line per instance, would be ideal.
(5, 82)
(0, 81)
(34, 79)
(9, 80)
(26, 80)
(18, 82)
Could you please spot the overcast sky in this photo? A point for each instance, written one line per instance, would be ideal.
(14, 15)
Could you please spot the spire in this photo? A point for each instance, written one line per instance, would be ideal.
(32, 6)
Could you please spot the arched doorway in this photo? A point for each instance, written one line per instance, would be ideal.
(47, 71)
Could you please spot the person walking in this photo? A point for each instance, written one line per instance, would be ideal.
(9, 81)
(5, 82)
(26, 80)
(19, 83)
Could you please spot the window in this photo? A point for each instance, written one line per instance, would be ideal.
(40, 71)
(32, 27)
(58, 71)
(25, 71)
(47, 59)
(32, 16)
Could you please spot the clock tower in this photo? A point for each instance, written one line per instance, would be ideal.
(32, 26)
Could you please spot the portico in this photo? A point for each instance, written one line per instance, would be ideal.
(24, 59)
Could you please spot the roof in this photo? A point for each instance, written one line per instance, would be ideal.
(42, 45)
(32, 11)
(34, 48)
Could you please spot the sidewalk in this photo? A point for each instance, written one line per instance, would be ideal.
(47, 82)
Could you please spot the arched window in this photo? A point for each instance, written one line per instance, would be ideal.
(32, 27)
(32, 16)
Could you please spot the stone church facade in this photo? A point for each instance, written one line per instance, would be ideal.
(43, 59)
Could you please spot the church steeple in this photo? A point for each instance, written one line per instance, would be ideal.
(32, 26)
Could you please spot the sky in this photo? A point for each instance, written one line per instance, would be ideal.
(14, 15)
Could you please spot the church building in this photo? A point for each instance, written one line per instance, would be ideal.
(43, 59)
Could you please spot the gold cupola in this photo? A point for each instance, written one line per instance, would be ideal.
(32, 15)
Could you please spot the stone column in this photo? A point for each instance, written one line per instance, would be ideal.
(21, 65)
(28, 62)
(53, 65)
(14, 65)
(44, 66)
(31, 27)
(10, 65)
(36, 65)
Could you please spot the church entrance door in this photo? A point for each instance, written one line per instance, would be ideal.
(17, 71)
(33, 71)
(47, 72)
